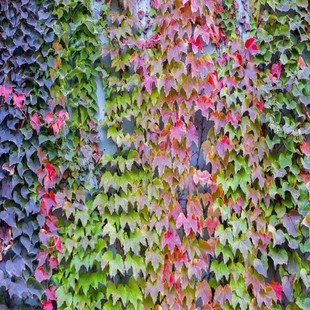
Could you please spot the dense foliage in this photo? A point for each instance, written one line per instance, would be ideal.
(204, 204)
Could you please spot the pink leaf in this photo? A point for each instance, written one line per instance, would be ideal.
(222, 294)
(48, 118)
(41, 257)
(202, 177)
(47, 305)
(35, 122)
(276, 70)
(172, 240)
(178, 131)
(50, 292)
(51, 223)
(204, 292)
(222, 146)
(18, 100)
(5, 92)
(187, 223)
(40, 274)
(175, 51)
(168, 82)
(57, 243)
(148, 82)
(53, 262)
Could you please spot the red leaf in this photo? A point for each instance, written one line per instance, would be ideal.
(50, 292)
(237, 60)
(305, 148)
(40, 274)
(196, 44)
(51, 172)
(53, 262)
(141, 14)
(211, 224)
(259, 104)
(212, 80)
(277, 287)
(18, 100)
(47, 305)
(35, 122)
(250, 45)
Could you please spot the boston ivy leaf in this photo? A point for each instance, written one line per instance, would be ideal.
(251, 46)
(291, 222)
(260, 267)
(34, 287)
(223, 294)
(172, 240)
(305, 148)
(15, 267)
(40, 274)
(135, 293)
(279, 256)
(204, 292)
(277, 288)
(220, 270)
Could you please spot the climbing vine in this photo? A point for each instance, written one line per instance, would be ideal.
(154, 154)
(25, 43)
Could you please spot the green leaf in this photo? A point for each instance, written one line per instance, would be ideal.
(279, 256)
(220, 270)
(63, 297)
(135, 293)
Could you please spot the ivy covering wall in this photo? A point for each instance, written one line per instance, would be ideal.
(205, 202)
